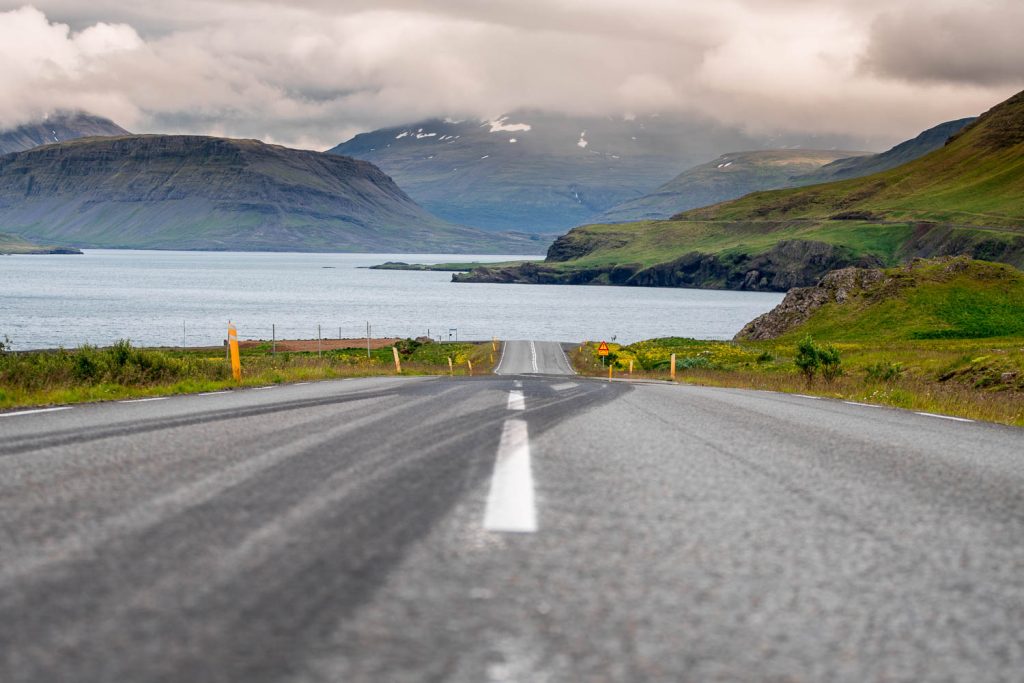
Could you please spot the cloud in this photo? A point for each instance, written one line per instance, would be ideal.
(979, 44)
(313, 72)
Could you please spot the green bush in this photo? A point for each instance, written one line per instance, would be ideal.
(811, 358)
(883, 371)
(807, 358)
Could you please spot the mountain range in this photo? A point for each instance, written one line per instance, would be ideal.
(966, 197)
(543, 172)
(733, 175)
(194, 192)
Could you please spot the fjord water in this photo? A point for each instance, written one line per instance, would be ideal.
(146, 296)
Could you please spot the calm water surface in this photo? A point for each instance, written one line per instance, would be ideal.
(146, 296)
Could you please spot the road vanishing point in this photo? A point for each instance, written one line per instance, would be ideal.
(530, 525)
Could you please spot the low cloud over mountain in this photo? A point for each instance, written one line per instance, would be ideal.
(311, 72)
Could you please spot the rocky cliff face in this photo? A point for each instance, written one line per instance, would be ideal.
(790, 263)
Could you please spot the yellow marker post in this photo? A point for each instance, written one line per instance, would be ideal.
(236, 363)
(673, 366)
(609, 372)
(470, 364)
(494, 343)
(631, 368)
(398, 361)
(451, 368)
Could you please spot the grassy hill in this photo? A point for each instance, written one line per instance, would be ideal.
(193, 192)
(949, 298)
(854, 167)
(727, 177)
(965, 198)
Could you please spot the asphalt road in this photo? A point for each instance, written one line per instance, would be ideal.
(512, 528)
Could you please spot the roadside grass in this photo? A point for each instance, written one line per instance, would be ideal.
(86, 374)
(972, 378)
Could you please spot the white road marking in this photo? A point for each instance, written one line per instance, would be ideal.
(568, 365)
(145, 400)
(946, 417)
(564, 386)
(213, 393)
(35, 411)
(510, 504)
(533, 356)
(504, 345)
(273, 386)
(301, 384)
(517, 384)
(866, 405)
(816, 398)
(516, 400)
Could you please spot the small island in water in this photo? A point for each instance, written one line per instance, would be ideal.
(12, 244)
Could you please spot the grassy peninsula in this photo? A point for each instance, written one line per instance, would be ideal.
(965, 198)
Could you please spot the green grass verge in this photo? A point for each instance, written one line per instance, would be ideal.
(123, 371)
(972, 378)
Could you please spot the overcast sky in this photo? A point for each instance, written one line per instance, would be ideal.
(311, 73)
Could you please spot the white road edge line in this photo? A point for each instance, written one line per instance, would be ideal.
(815, 398)
(504, 345)
(533, 356)
(213, 393)
(272, 386)
(866, 405)
(301, 384)
(510, 504)
(516, 400)
(946, 417)
(568, 365)
(34, 411)
(145, 400)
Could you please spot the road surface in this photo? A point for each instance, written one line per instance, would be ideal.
(521, 527)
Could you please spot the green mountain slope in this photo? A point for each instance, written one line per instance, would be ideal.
(948, 298)
(842, 169)
(59, 127)
(192, 192)
(966, 198)
(727, 177)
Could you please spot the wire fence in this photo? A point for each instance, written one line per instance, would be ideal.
(203, 335)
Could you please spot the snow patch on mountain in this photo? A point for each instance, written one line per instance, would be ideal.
(500, 126)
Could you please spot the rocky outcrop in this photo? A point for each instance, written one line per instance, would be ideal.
(790, 263)
(865, 286)
(801, 302)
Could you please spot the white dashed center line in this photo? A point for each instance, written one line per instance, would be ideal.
(516, 400)
(510, 504)
(34, 411)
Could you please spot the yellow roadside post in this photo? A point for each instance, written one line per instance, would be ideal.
(630, 367)
(673, 367)
(610, 366)
(451, 368)
(236, 363)
(398, 361)
(494, 343)
(470, 364)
